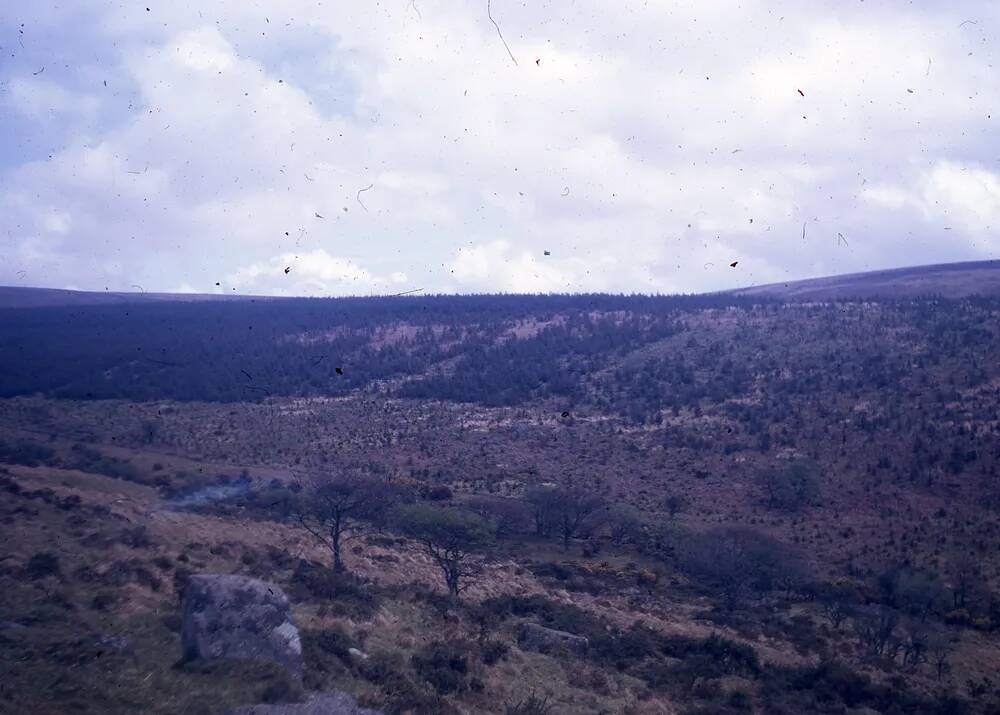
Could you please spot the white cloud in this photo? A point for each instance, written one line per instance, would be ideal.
(970, 195)
(948, 195)
(39, 99)
(886, 195)
(312, 273)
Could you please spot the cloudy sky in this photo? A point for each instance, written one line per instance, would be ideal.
(324, 147)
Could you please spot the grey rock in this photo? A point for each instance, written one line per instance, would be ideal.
(317, 704)
(548, 640)
(228, 616)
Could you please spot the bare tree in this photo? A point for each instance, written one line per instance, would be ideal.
(938, 651)
(916, 636)
(333, 508)
(876, 629)
(836, 603)
(966, 580)
(791, 488)
(739, 562)
(575, 505)
(624, 523)
(674, 504)
(508, 516)
(565, 509)
(451, 537)
(544, 502)
(917, 592)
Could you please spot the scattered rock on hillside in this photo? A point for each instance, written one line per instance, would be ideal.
(317, 704)
(228, 616)
(548, 640)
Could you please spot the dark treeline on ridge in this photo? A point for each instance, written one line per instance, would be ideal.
(635, 354)
(233, 351)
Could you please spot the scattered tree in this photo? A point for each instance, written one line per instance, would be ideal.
(332, 509)
(451, 537)
(938, 652)
(791, 488)
(508, 516)
(575, 506)
(624, 524)
(966, 581)
(674, 504)
(544, 503)
(837, 602)
(876, 629)
(737, 562)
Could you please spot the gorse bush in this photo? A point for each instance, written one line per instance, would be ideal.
(445, 665)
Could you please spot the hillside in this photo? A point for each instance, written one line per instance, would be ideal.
(742, 503)
(16, 297)
(947, 280)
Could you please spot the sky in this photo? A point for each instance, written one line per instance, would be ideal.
(314, 147)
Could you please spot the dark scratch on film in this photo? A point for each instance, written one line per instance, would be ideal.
(361, 191)
(490, 15)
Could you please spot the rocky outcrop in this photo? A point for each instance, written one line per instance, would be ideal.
(228, 616)
(548, 640)
(317, 704)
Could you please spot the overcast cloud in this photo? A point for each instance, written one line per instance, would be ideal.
(330, 148)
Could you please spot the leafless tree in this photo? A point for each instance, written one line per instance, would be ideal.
(333, 508)
(938, 651)
(453, 538)
(738, 562)
(624, 523)
(790, 488)
(966, 579)
(876, 629)
(836, 605)
(674, 504)
(508, 516)
(575, 505)
(544, 501)
(916, 636)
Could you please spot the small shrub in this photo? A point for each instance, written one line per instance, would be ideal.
(740, 700)
(172, 622)
(163, 562)
(444, 665)
(438, 493)
(382, 669)
(344, 592)
(104, 600)
(70, 502)
(493, 651)
(135, 538)
(334, 641)
(42, 564)
(560, 616)
(281, 689)
(531, 705)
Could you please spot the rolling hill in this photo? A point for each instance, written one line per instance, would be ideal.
(16, 297)
(949, 280)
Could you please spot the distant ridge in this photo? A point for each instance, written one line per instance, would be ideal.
(17, 297)
(948, 280)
